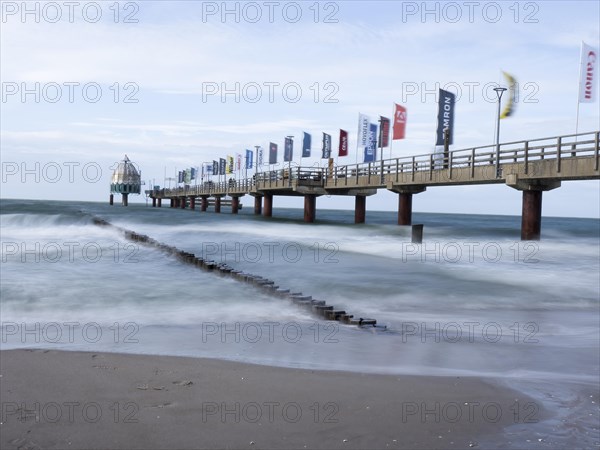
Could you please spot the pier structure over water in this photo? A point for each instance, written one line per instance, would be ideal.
(531, 166)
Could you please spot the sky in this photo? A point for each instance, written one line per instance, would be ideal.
(176, 84)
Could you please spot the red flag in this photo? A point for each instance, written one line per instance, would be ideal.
(343, 150)
(399, 122)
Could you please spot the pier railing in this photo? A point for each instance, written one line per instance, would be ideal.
(419, 167)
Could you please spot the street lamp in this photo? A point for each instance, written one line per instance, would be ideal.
(499, 92)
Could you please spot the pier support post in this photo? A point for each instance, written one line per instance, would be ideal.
(531, 217)
(154, 202)
(405, 208)
(235, 204)
(159, 202)
(182, 202)
(405, 194)
(217, 204)
(171, 203)
(192, 202)
(268, 207)
(125, 199)
(310, 204)
(360, 208)
(204, 203)
(258, 205)
(111, 199)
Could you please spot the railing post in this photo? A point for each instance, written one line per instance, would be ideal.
(369, 176)
(558, 149)
(526, 157)
(382, 174)
(450, 164)
(472, 163)
(430, 167)
(397, 163)
(596, 139)
(413, 168)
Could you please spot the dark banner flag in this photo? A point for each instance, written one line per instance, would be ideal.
(399, 127)
(272, 153)
(180, 177)
(384, 132)
(222, 164)
(445, 116)
(249, 159)
(306, 144)
(215, 168)
(194, 170)
(288, 149)
(371, 148)
(326, 146)
(343, 149)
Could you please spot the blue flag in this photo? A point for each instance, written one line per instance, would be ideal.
(326, 145)
(306, 144)
(371, 148)
(288, 149)
(249, 159)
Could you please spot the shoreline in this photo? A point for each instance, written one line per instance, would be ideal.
(70, 399)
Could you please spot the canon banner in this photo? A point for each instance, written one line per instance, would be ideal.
(589, 74)
(445, 116)
(306, 144)
(343, 149)
(272, 153)
(399, 122)
(221, 166)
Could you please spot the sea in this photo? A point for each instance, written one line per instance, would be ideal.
(472, 300)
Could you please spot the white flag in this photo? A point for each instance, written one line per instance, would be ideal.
(589, 74)
(363, 130)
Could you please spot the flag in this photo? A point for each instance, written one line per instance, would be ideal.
(215, 169)
(249, 158)
(371, 148)
(259, 157)
(238, 161)
(187, 176)
(589, 74)
(445, 116)
(384, 132)
(207, 169)
(326, 145)
(343, 149)
(513, 95)
(272, 153)
(229, 164)
(363, 130)
(180, 177)
(193, 174)
(288, 149)
(306, 144)
(399, 122)
(222, 166)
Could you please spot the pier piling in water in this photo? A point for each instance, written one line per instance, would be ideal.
(257, 205)
(310, 205)
(360, 208)
(268, 207)
(417, 234)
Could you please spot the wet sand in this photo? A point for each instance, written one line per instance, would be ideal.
(78, 400)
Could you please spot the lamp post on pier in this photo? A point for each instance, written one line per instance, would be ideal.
(499, 92)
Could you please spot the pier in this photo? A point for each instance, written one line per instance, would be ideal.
(531, 166)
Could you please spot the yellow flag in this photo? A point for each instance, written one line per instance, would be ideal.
(509, 108)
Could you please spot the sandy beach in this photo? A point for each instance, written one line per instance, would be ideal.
(55, 399)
